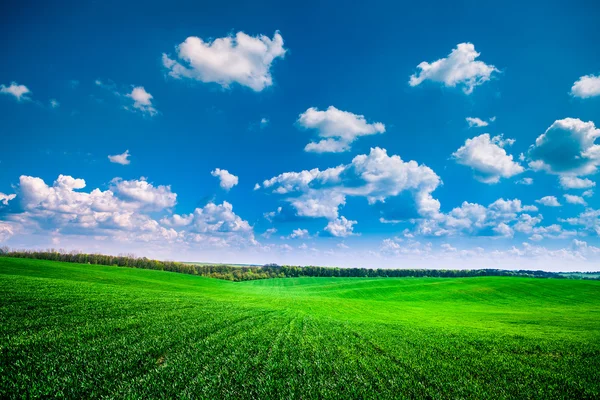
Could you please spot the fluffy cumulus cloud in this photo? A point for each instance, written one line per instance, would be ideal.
(127, 211)
(226, 180)
(497, 219)
(337, 129)
(63, 208)
(19, 92)
(488, 158)
(144, 193)
(122, 159)
(567, 148)
(460, 68)
(572, 182)
(299, 234)
(5, 198)
(340, 227)
(242, 59)
(549, 201)
(142, 100)
(374, 176)
(214, 224)
(586, 86)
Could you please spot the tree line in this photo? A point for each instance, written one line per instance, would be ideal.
(268, 271)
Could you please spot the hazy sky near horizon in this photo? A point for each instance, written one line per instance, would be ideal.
(374, 134)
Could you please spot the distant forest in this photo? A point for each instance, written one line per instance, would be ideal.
(247, 273)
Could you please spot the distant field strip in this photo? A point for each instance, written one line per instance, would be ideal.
(87, 331)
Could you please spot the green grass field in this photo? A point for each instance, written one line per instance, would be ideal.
(84, 331)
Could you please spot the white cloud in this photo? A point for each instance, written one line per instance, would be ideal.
(374, 176)
(504, 230)
(525, 181)
(269, 216)
(144, 193)
(526, 223)
(264, 122)
(340, 227)
(588, 219)
(574, 199)
(487, 157)
(122, 159)
(338, 129)
(227, 180)
(256, 186)
(6, 231)
(142, 100)
(243, 59)
(476, 122)
(572, 182)
(299, 234)
(20, 92)
(459, 68)
(477, 220)
(396, 247)
(63, 209)
(316, 204)
(553, 231)
(54, 103)
(128, 211)
(269, 232)
(212, 218)
(567, 148)
(5, 198)
(586, 86)
(448, 248)
(549, 201)
(588, 193)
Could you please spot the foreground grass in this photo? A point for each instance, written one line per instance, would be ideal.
(81, 331)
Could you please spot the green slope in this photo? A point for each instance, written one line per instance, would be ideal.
(83, 331)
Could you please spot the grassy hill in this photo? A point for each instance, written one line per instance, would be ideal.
(86, 331)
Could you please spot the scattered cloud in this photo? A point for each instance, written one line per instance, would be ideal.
(19, 92)
(572, 199)
(299, 234)
(264, 122)
(142, 100)
(488, 158)
(477, 220)
(525, 181)
(572, 182)
(5, 198)
(122, 159)
(458, 69)
(54, 103)
(337, 129)
(226, 180)
(374, 176)
(340, 227)
(567, 148)
(144, 193)
(549, 201)
(138, 100)
(587, 86)
(476, 122)
(269, 232)
(242, 59)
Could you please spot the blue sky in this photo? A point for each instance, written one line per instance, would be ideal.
(377, 134)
